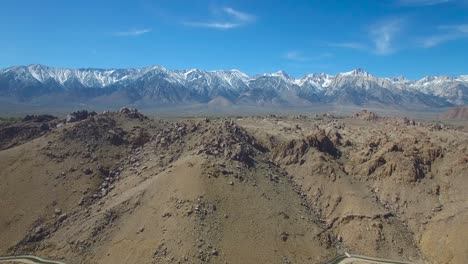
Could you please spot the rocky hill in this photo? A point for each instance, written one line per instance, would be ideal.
(118, 187)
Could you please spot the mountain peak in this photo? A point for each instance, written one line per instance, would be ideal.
(37, 67)
(154, 68)
(280, 73)
(233, 72)
(357, 72)
(317, 75)
(193, 70)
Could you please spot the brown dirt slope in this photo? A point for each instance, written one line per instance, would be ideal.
(115, 189)
(122, 188)
(382, 186)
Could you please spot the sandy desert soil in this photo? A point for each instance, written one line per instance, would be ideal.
(119, 187)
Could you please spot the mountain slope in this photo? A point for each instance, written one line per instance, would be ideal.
(157, 85)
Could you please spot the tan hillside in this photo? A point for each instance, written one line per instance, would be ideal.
(123, 188)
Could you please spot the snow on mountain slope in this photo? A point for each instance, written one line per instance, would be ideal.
(316, 81)
(455, 90)
(158, 84)
(356, 73)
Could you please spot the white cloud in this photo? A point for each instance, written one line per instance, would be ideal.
(423, 2)
(450, 33)
(230, 19)
(436, 40)
(216, 25)
(383, 35)
(241, 16)
(461, 28)
(133, 32)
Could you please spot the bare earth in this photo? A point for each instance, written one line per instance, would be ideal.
(122, 188)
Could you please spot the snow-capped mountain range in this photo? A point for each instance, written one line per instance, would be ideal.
(158, 85)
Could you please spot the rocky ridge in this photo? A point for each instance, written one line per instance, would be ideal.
(118, 185)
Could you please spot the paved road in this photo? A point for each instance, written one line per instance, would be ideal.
(349, 258)
(29, 260)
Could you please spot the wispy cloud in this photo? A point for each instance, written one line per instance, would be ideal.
(241, 16)
(381, 38)
(383, 35)
(231, 18)
(215, 25)
(133, 32)
(447, 33)
(461, 28)
(436, 40)
(422, 2)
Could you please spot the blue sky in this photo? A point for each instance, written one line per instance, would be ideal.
(385, 37)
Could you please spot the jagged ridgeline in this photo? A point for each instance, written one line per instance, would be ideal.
(160, 86)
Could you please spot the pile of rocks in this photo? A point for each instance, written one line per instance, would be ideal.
(202, 209)
(110, 177)
(229, 140)
(366, 115)
(320, 140)
(139, 137)
(403, 121)
(174, 132)
(79, 115)
(98, 129)
(116, 136)
(38, 234)
(132, 113)
(291, 152)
